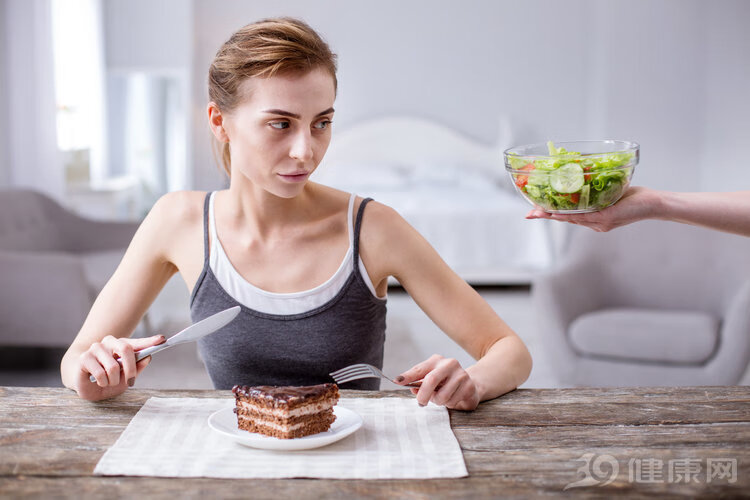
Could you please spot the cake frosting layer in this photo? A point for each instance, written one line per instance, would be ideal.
(288, 396)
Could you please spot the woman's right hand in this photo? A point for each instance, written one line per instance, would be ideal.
(112, 378)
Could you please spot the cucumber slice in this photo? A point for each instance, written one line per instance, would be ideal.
(567, 179)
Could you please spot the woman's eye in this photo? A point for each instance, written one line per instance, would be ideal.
(279, 125)
(323, 124)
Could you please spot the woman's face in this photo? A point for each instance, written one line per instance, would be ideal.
(280, 132)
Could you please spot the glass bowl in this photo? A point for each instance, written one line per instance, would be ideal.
(572, 177)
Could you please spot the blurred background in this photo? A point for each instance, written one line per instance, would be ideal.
(102, 108)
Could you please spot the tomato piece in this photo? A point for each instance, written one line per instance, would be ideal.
(587, 177)
(522, 180)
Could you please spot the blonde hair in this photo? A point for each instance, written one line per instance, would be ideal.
(263, 49)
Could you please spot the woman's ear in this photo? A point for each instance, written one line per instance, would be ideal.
(216, 122)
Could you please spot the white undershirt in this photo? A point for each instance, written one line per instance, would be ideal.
(260, 300)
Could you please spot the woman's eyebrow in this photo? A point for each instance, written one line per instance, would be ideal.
(295, 115)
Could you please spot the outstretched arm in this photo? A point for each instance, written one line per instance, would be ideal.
(728, 212)
(104, 336)
(391, 247)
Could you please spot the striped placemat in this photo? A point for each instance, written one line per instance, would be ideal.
(170, 437)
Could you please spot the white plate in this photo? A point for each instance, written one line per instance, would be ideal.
(225, 422)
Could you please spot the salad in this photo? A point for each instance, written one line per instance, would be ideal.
(568, 181)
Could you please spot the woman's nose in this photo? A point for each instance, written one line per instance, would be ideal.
(302, 146)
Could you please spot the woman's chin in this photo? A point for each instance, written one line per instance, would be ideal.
(287, 190)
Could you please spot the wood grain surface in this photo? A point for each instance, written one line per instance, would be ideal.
(528, 443)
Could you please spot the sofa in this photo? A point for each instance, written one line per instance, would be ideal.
(53, 263)
(654, 303)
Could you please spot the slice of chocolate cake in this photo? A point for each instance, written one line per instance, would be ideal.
(285, 412)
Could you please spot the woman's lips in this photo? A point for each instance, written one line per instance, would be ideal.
(295, 177)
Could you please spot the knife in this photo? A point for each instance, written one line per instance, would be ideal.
(192, 333)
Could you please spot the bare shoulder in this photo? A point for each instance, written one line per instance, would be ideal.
(381, 222)
(386, 239)
(174, 222)
(179, 207)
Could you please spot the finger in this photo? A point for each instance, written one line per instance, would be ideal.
(433, 380)
(444, 393)
(534, 214)
(538, 213)
(139, 344)
(91, 366)
(427, 389)
(106, 359)
(125, 349)
(418, 371)
(447, 372)
(126, 354)
(142, 364)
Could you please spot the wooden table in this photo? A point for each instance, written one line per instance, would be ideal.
(662, 441)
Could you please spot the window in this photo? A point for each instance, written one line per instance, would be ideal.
(79, 85)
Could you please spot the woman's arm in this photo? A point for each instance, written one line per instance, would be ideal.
(142, 273)
(391, 247)
(728, 212)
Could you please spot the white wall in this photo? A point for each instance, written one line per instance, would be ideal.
(670, 74)
(147, 34)
(649, 68)
(461, 64)
(664, 73)
(726, 134)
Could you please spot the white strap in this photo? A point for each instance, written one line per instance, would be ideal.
(350, 219)
(213, 239)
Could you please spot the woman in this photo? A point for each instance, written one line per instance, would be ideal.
(307, 262)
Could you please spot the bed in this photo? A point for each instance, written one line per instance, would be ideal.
(452, 189)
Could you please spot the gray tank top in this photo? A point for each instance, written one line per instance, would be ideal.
(258, 348)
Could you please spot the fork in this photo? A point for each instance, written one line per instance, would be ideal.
(363, 370)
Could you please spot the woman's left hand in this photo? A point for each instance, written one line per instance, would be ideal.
(444, 382)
